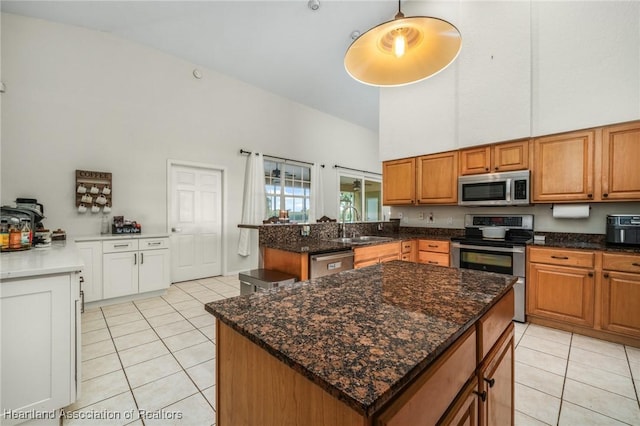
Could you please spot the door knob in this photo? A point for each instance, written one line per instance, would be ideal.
(176, 229)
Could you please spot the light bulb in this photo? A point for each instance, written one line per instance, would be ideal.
(399, 44)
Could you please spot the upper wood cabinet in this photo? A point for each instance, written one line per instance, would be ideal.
(563, 167)
(437, 178)
(503, 157)
(620, 155)
(399, 182)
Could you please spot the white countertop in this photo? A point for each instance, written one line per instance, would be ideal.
(109, 237)
(61, 257)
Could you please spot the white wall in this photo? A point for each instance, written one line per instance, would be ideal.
(453, 216)
(526, 68)
(82, 99)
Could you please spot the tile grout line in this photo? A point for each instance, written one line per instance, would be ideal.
(633, 382)
(564, 380)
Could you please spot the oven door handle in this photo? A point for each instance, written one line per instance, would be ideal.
(489, 248)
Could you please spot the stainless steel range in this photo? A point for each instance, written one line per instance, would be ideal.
(502, 255)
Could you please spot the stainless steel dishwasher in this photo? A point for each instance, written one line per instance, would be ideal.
(330, 263)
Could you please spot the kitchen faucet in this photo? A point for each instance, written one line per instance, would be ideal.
(344, 213)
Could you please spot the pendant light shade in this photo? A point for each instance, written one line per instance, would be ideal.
(403, 51)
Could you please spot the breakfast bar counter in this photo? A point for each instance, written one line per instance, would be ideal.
(353, 343)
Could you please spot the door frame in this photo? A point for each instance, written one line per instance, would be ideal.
(223, 172)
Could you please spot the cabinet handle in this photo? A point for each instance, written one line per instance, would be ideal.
(486, 169)
(635, 264)
(590, 274)
(141, 258)
(120, 245)
(432, 245)
(497, 168)
(490, 381)
(82, 301)
(590, 195)
(560, 257)
(606, 275)
(432, 262)
(605, 195)
(135, 258)
(482, 395)
(155, 243)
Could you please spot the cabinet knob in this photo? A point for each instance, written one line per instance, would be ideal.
(497, 168)
(590, 274)
(590, 195)
(486, 169)
(606, 275)
(490, 381)
(482, 395)
(605, 195)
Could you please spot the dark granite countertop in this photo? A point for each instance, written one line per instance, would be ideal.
(362, 335)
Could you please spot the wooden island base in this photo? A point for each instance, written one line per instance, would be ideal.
(473, 379)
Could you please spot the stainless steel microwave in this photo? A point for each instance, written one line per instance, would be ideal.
(494, 189)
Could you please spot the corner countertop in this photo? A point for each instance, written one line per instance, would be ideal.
(109, 237)
(362, 335)
(61, 257)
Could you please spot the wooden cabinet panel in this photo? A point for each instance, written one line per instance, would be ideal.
(620, 155)
(497, 380)
(439, 246)
(437, 178)
(436, 388)
(553, 256)
(399, 182)
(285, 261)
(492, 324)
(510, 156)
(561, 293)
(371, 255)
(502, 157)
(433, 258)
(475, 160)
(563, 168)
(620, 296)
(464, 411)
(621, 262)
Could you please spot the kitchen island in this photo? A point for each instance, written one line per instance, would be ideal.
(388, 344)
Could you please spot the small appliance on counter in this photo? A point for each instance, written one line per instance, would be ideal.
(21, 225)
(623, 229)
(122, 226)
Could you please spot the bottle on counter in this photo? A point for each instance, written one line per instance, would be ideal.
(15, 237)
(4, 234)
(26, 237)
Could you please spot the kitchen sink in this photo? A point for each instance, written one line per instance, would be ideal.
(362, 239)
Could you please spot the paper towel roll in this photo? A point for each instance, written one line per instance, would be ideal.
(570, 211)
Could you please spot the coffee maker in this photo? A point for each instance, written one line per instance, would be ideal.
(26, 208)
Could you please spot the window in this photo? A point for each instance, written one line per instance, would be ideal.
(362, 192)
(288, 187)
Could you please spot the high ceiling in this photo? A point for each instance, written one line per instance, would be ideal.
(281, 46)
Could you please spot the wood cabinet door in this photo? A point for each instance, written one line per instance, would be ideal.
(437, 178)
(620, 161)
(497, 383)
(620, 296)
(510, 156)
(399, 182)
(563, 168)
(464, 411)
(561, 293)
(433, 258)
(474, 161)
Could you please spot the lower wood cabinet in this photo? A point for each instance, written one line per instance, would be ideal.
(286, 261)
(599, 295)
(496, 383)
(435, 252)
(408, 251)
(372, 255)
(464, 411)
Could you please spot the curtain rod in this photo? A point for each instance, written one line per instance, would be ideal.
(242, 151)
(335, 166)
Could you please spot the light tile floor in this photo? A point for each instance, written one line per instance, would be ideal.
(156, 357)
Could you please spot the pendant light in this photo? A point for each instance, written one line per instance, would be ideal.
(403, 51)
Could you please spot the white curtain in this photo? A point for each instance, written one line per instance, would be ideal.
(253, 201)
(316, 208)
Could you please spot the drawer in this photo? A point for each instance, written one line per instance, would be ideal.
(153, 243)
(434, 245)
(581, 259)
(406, 257)
(119, 245)
(407, 246)
(433, 258)
(621, 262)
(436, 388)
(492, 324)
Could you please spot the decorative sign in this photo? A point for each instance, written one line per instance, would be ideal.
(93, 191)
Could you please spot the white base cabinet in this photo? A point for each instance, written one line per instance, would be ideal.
(91, 253)
(40, 345)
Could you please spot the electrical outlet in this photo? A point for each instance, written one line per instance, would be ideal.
(400, 215)
(431, 219)
(421, 216)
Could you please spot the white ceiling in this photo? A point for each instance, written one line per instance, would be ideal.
(281, 46)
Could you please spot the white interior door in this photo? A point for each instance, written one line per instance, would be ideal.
(196, 222)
